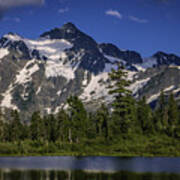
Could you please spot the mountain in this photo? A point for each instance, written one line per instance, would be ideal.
(40, 74)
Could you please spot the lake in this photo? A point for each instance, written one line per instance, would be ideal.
(89, 168)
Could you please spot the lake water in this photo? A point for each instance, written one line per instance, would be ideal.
(89, 168)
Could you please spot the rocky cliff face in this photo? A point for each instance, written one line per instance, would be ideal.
(40, 74)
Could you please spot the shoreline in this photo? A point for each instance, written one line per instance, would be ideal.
(74, 154)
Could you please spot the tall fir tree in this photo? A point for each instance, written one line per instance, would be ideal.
(52, 128)
(63, 124)
(124, 111)
(91, 131)
(16, 126)
(37, 127)
(1, 127)
(173, 115)
(78, 119)
(102, 121)
(144, 116)
(161, 115)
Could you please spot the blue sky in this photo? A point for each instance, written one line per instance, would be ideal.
(146, 26)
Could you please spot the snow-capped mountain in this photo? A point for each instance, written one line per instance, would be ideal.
(40, 74)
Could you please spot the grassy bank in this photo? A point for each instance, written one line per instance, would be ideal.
(154, 146)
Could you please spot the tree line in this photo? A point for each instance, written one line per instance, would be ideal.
(126, 117)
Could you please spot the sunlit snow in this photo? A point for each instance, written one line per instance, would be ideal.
(3, 52)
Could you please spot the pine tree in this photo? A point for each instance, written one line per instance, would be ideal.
(1, 127)
(63, 124)
(16, 126)
(102, 121)
(37, 129)
(144, 116)
(53, 136)
(124, 113)
(173, 115)
(78, 119)
(161, 115)
(177, 129)
(91, 131)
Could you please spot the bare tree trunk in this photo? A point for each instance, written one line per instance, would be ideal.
(70, 136)
(69, 175)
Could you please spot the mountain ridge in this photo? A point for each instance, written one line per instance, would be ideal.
(40, 74)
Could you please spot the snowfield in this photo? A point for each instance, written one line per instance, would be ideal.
(3, 52)
(62, 63)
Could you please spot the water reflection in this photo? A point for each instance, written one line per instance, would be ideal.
(89, 168)
(103, 164)
(81, 175)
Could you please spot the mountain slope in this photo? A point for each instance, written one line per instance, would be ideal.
(40, 74)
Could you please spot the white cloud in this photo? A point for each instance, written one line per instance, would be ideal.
(63, 10)
(114, 13)
(138, 20)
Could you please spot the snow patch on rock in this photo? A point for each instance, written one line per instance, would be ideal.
(3, 52)
(25, 75)
(13, 37)
(155, 96)
(96, 88)
(85, 81)
(39, 90)
(59, 92)
(148, 63)
(138, 85)
(114, 59)
(57, 68)
(7, 100)
(49, 48)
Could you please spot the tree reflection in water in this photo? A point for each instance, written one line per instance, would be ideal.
(7, 174)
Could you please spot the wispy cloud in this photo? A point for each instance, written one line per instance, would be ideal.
(63, 10)
(5, 5)
(138, 20)
(15, 19)
(16, 3)
(114, 13)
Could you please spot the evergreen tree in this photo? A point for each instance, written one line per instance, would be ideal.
(25, 131)
(102, 120)
(173, 115)
(124, 111)
(144, 116)
(51, 128)
(37, 128)
(161, 115)
(1, 127)
(78, 119)
(16, 126)
(91, 131)
(63, 124)
(177, 129)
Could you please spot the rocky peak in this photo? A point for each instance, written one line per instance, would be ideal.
(72, 34)
(131, 57)
(166, 59)
(160, 54)
(69, 27)
(67, 31)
